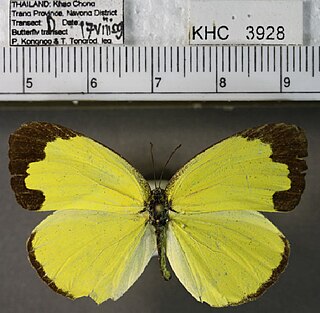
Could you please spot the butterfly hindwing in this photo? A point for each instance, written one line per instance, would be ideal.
(91, 253)
(55, 168)
(227, 257)
(260, 169)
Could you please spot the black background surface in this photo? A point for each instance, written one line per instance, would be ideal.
(128, 130)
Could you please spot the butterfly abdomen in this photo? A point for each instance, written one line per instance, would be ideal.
(158, 208)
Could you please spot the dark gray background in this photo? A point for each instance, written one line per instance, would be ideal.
(129, 131)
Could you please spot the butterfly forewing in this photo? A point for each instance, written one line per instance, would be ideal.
(55, 168)
(260, 169)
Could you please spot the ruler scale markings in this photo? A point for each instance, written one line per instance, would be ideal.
(222, 60)
(165, 59)
(49, 58)
(23, 71)
(29, 60)
(119, 62)
(88, 70)
(55, 63)
(210, 59)
(61, 60)
(274, 59)
(294, 58)
(287, 59)
(229, 59)
(10, 60)
(197, 59)
(107, 59)
(17, 59)
(300, 59)
(190, 60)
(132, 59)
(236, 59)
(81, 59)
(184, 61)
(68, 59)
(75, 59)
(4, 59)
(242, 63)
(203, 59)
(100, 59)
(87, 58)
(152, 90)
(139, 59)
(126, 59)
(158, 52)
(280, 68)
(35, 61)
(306, 59)
(178, 60)
(319, 59)
(42, 60)
(94, 59)
(145, 60)
(171, 59)
(312, 61)
(261, 59)
(113, 62)
(300, 64)
(268, 59)
(248, 56)
(255, 58)
(216, 69)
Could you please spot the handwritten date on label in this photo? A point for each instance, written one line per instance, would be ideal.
(38, 23)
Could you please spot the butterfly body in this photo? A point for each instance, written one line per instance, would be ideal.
(108, 223)
(158, 208)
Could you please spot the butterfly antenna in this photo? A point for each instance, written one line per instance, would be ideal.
(153, 167)
(170, 157)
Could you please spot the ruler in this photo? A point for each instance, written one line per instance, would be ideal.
(160, 73)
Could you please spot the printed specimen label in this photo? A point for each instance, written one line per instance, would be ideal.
(50, 22)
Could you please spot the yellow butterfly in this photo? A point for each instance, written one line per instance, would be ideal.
(108, 223)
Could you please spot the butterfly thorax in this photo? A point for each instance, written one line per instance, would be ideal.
(158, 208)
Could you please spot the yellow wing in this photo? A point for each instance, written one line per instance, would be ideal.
(225, 258)
(258, 169)
(91, 253)
(55, 168)
(97, 243)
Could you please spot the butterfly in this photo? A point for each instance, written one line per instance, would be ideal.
(108, 223)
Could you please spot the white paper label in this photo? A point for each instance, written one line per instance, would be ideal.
(50, 22)
(246, 22)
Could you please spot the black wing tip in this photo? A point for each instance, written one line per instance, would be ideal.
(26, 145)
(274, 275)
(29, 199)
(289, 146)
(40, 270)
